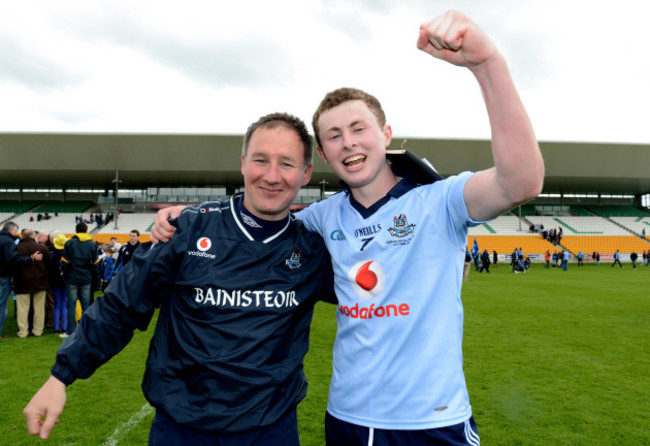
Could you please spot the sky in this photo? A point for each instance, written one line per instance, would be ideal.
(213, 67)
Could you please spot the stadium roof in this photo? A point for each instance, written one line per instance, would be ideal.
(31, 160)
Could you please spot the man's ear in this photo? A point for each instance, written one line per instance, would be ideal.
(243, 162)
(321, 154)
(388, 135)
(307, 177)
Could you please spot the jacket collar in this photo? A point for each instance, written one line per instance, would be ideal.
(83, 236)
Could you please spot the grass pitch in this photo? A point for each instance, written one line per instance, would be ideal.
(551, 358)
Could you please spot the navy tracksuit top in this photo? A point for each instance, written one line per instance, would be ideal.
(233, 326)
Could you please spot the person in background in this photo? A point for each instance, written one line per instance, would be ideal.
(565, 259)
(485, 261)
(43, 237)
(476, 255)
(78, 264)
(31, 284)
(10, 262)
(547, 258)
(127, 250)
(467, 265)
(60, 312)
(106, 267)
(115, 244)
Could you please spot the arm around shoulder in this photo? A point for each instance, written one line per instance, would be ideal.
(162, 230)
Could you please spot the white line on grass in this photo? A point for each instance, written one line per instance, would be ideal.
(124, 429)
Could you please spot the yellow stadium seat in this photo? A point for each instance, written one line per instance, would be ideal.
(535, 244)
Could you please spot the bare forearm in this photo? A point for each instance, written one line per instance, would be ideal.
(517, 158)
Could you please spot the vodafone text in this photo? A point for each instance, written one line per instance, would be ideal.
(201, 254)
(372, 311)
(246, 298)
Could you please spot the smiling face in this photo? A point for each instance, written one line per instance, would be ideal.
(353, 143)
(274, 171)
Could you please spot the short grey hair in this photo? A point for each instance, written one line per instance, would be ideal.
(9, 226)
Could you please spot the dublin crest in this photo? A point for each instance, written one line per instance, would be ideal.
(401, 227)
(293, 262)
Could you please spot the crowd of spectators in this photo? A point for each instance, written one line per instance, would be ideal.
(96, 218)
(44, 216)
(553, 235)
(49, 275)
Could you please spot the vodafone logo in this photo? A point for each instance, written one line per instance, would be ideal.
(367, 278)
(203, 244)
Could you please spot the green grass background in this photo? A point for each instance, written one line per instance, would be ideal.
(551, 358)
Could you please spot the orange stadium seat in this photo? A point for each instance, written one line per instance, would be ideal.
(605, 244)
(535, 244)
(122, 238)
(505, 244)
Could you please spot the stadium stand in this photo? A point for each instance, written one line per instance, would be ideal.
(4, 216)
(504, 244)
(63, 222)
(127, 222)
(579, 211)
(61, 214)
(78, 207)
(580, 225)
(502, 225)
(526, 210)
(16, 207)
(605, 244)
(617, 211)
(552, 210)
(595, 228)
(636, 225)
(586, 233)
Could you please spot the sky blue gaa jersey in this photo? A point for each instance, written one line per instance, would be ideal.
(398, 274)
